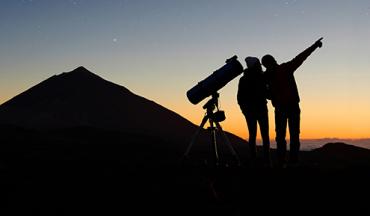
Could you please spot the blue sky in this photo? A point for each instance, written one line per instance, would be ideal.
(160, 49)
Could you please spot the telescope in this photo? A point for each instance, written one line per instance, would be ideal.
(209, 87)
(215, 81)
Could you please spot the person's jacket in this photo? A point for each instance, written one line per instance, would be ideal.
(252, 90)
(281, 83)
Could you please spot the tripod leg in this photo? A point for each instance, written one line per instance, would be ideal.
(204, 121)
(228, 142)
(214, 142)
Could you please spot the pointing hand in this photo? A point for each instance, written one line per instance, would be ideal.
(319, 43)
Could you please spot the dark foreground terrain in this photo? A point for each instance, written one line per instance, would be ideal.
(91, 172)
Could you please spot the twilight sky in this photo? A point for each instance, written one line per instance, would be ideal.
(160, 49)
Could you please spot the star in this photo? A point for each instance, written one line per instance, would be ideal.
(74, 2)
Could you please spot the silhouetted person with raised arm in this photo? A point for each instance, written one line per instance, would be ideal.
(285, 99)
(251, 96)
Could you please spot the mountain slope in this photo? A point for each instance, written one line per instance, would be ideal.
(82, 99)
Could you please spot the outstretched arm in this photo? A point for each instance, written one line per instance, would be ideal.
(299, 59)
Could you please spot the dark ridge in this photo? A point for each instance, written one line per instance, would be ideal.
(340, 155)
(65, 83)
(80, 73)
(80, 98)
(81, 69)
(342, 148)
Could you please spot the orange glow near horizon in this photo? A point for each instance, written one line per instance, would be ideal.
(310, 129)
(320, 120)
(321, 117)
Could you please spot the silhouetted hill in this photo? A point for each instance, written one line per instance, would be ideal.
(82, 99)
(340, 155)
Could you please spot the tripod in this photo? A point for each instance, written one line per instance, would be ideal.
(214, 118)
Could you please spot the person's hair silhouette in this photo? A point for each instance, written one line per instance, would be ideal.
(285, 98)
(252, 101)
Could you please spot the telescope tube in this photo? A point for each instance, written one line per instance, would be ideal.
(215, 81)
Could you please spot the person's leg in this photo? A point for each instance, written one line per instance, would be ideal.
(280, 129)
(252, 130)
(264, 129)
(294, 130)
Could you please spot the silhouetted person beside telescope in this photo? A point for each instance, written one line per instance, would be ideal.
(252, 93)
(285, 99)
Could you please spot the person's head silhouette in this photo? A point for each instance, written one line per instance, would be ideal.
(253, 64)
(269, 61)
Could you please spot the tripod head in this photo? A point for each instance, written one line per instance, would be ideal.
(211, 105)
(214, 116)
